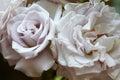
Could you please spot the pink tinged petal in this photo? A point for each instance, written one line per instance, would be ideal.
(28, 40)
(9, 53)
(34, 67)
(19, 17)
(48, 37)
(15, 36)
(42, 46)
(12, 31)
(24, 52)
(37, 18)
(37, 33)
(51, 33)
(43, 20)
(29, 52)
(45, 31)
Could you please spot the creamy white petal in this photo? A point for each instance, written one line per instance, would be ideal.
(107, 42)
(109, 61)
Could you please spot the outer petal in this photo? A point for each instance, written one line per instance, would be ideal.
(34, 67)
(9, 53)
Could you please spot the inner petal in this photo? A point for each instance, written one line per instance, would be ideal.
(37, 33)
(29, 41)
(30, 29)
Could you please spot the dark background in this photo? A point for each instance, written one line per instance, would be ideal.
(8, 73)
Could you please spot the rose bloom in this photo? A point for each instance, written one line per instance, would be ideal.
(26, 44)
(87, 38)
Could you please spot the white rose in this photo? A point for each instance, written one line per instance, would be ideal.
(88, 33)
(26, 45)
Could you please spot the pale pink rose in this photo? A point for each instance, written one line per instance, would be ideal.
(26, 45)
(88, 33)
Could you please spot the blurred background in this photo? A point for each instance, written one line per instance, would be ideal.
(8, 73)
(116, 4)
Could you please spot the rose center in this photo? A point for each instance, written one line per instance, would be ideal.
(29, 33)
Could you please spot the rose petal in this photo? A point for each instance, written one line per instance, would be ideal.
(9, 53)
(25, 52)
(34, 67)
(107, 42)
(109, 61)
(12, 31)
